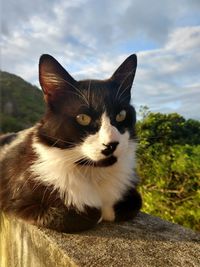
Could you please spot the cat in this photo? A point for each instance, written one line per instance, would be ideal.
(75, 167)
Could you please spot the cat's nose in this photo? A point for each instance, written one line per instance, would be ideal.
(110, 148)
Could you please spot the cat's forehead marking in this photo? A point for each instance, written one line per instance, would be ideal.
(105, 120)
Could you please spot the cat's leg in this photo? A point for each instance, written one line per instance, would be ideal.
(108, 213)
(70, 220)
(129, 206)
(57, 217)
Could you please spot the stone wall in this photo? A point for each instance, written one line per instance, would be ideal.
(146, 241)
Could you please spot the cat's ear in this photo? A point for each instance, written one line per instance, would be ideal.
(54, 79)
(125, 74)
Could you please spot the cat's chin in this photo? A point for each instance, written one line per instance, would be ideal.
(109, 161)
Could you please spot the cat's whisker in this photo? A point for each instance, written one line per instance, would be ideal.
(83, 98)
(83, 168)
(59, 80)
(55, 143)
(89, 87)
(59, 140)
(120, 86)
(134, 139)
(123, 91)
(78, 91)
(121, 100)
(89, 166)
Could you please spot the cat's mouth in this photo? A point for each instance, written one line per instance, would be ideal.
(109, 161)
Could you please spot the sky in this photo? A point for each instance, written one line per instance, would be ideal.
(91, 38)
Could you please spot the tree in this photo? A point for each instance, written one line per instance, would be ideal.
(169, 166)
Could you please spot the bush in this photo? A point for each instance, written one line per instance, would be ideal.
(169, 166)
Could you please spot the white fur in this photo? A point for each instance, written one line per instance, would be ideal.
(99, 187)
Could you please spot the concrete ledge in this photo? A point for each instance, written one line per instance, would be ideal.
(146, 241)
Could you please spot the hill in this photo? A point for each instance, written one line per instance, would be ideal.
(21, 103)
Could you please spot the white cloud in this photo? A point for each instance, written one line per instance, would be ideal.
(170, 75)
(91, 38)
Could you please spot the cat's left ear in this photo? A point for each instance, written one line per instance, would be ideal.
(54, 79)
(125, 74)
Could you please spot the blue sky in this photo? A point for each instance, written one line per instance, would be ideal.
(92, 38)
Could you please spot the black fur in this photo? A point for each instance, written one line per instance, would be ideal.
(129, 206)
(7, 138)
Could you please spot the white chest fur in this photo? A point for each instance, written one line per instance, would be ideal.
(84, 185)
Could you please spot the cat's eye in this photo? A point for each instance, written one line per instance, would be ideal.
(83, 119)
(121, 116)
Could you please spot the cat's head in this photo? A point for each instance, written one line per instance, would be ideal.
(94, 116)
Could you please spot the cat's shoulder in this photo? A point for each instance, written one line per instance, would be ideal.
(10, 141)
(7, 138)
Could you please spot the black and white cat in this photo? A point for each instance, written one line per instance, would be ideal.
(76, 166)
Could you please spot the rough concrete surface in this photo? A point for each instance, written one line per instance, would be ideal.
(145, 241)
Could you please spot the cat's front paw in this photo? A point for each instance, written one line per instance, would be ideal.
(76, 221)
(108, 214)
(129, 206)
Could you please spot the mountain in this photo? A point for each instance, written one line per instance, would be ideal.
(21, 104)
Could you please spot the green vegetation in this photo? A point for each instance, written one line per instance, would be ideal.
(168, 151)
(169, 167)
(21, 103)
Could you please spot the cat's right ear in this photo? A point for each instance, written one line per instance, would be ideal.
(125, 74)
(54, 79)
